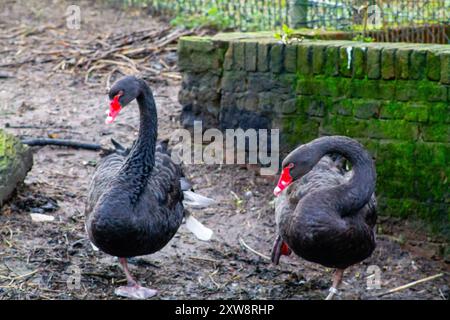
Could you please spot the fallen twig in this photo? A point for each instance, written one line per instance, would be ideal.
(5, 75)
(242, 242)
(64, 143)
(136, 52)
(409, 285)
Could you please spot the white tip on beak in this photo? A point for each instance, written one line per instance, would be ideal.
(109, 120)
(277, 190)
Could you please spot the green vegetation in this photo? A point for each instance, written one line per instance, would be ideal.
(211, 18)
(287, 35)
(361, 38)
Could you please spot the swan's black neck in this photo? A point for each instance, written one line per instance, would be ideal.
(353, 195)
(141, 160)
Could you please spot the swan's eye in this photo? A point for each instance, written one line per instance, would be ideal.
(291, 165)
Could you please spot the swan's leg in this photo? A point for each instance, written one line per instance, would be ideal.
(132, 289)
(337, 279)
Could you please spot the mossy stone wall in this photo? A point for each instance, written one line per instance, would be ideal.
(393, 97)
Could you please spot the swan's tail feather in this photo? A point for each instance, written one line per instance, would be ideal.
(198, 229)
(117, 145)
(195, 200)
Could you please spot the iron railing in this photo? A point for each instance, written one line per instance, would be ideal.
(382, 20)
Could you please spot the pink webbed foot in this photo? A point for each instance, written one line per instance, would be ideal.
(135, 292)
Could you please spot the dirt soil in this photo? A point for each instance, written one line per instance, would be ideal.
(41, 260)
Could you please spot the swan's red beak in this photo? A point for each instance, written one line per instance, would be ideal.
(284, 181)
(114, 109)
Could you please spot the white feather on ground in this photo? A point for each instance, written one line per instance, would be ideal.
(197, 201)
(194, 200)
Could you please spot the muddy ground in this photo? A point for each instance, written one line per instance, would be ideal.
(38, 259)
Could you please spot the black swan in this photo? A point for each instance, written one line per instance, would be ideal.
(135, 200)
(325, 214)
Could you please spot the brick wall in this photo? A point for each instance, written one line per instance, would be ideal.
(392, 97)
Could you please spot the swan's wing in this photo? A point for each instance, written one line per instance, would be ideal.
(369, 212)
(165, 181)
(325, 174)
(105, 172)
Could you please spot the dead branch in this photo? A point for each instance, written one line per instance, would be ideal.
(62, 142)
(409, 285)
(137, 52)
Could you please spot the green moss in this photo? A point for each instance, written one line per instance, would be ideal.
(416, 112)
(366, 109)
(15, 161)
(319, 106)
(304, 59)
(347, 126)
(199, 54)
(388, 63)
(303, 103)
(402, 58)
(392, 129)
(433, 66)
(343, 107)
(373, 63)
(387, 90)
(359, 62)
(9, 147)
(406, 91)
(304, 129)
(318, 59)
(395, 169)
(290, 59)
(436, 132)
(445, 68)
(392, 110)
(430, 91)
(432, 171)
(332, 61)
(439, 112)
(396, 208)
(418, 64)
(326, 86)
(304, 85)
(371, 145)
(365, 88)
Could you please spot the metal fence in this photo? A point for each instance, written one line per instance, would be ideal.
(383, 20)
(245, 15)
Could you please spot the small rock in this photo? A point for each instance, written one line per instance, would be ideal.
(16, 160)
(37, 217)
(248, 195)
